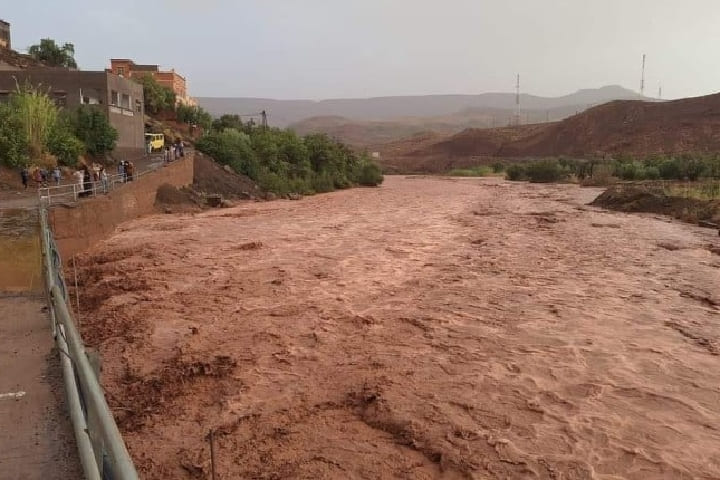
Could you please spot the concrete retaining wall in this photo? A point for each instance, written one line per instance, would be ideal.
(78, 227)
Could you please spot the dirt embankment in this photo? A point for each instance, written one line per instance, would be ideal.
(426, 329)
(654, 198)
(209, 178)
(690, 125)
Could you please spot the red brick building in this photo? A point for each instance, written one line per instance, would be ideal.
(170, 79)
(4, 34)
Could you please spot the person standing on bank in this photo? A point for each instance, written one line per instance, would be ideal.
(57, 175)
(25, 176)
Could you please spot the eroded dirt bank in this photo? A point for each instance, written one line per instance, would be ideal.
(427, 329)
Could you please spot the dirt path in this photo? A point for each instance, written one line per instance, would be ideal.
(427, 329)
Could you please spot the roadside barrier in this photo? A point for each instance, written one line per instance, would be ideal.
(71, 192)
(102, 451)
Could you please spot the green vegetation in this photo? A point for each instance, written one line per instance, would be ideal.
(516, 172)
(194, 116)
(697, 191)
(479, 171)
(37, 114)
(603, 171)
(229, 121)
(92, 128)
(157, 97)
(282, 162)
(32, 126)
(54, 55)
(63, 143)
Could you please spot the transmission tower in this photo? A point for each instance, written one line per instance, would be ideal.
(642, 78)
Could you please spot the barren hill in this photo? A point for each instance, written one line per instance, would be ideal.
(633, 127)
(286, 112)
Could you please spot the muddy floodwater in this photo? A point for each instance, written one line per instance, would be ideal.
(430, 328)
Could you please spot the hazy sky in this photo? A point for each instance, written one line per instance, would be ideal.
(361, 48)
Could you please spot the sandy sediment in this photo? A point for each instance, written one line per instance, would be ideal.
(430, 328)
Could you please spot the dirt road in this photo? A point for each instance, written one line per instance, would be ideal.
(430, 328)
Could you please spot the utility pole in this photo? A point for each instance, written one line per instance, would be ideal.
(642, 78)
(517, 101)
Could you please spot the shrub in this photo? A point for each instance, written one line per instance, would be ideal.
(651, 173)
(630, 171)
(545, 171)
(498, 167)
(516, 172)
(670, 169)
(479, 171)
(370, 175)
(65, 145)
(692, 167)
(322, 183)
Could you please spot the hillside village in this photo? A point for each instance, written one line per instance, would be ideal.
(116, 91)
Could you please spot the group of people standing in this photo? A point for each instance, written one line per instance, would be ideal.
(85, 180)
(174, 151)
(126, 170)
(40, 176)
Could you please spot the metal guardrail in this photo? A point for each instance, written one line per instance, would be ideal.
(72, 191)
(101, 448)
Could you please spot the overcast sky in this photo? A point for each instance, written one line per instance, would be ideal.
(361, 48)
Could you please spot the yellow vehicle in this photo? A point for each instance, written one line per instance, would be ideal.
(154, 142)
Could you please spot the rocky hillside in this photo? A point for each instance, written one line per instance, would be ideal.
(630, 127)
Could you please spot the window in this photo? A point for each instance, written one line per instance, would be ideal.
(125, 103)
(114, 98)
(121, 70)
(138, 106)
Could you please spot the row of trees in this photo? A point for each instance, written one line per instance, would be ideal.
(282, 162)
(33, 130)
(653, 167)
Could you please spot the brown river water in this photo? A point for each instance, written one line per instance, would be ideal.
(430, 328)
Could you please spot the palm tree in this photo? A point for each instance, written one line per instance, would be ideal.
(53, 54)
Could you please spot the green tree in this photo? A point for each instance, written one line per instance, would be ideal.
(228, 121)
(54, 55)
(193, 115)
(63, 143)
(13, 145)
(92, 127)
(157, 97)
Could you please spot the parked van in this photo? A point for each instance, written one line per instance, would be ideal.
(155, 142)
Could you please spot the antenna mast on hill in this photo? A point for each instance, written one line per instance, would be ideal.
(659, 91)
(517, 101)
(642, 78)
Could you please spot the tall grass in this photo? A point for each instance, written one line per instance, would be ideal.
(37, 115)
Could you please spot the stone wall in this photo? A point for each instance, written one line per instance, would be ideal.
(79, 226)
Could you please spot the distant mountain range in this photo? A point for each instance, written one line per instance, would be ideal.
(286, 112)
(689, 125)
